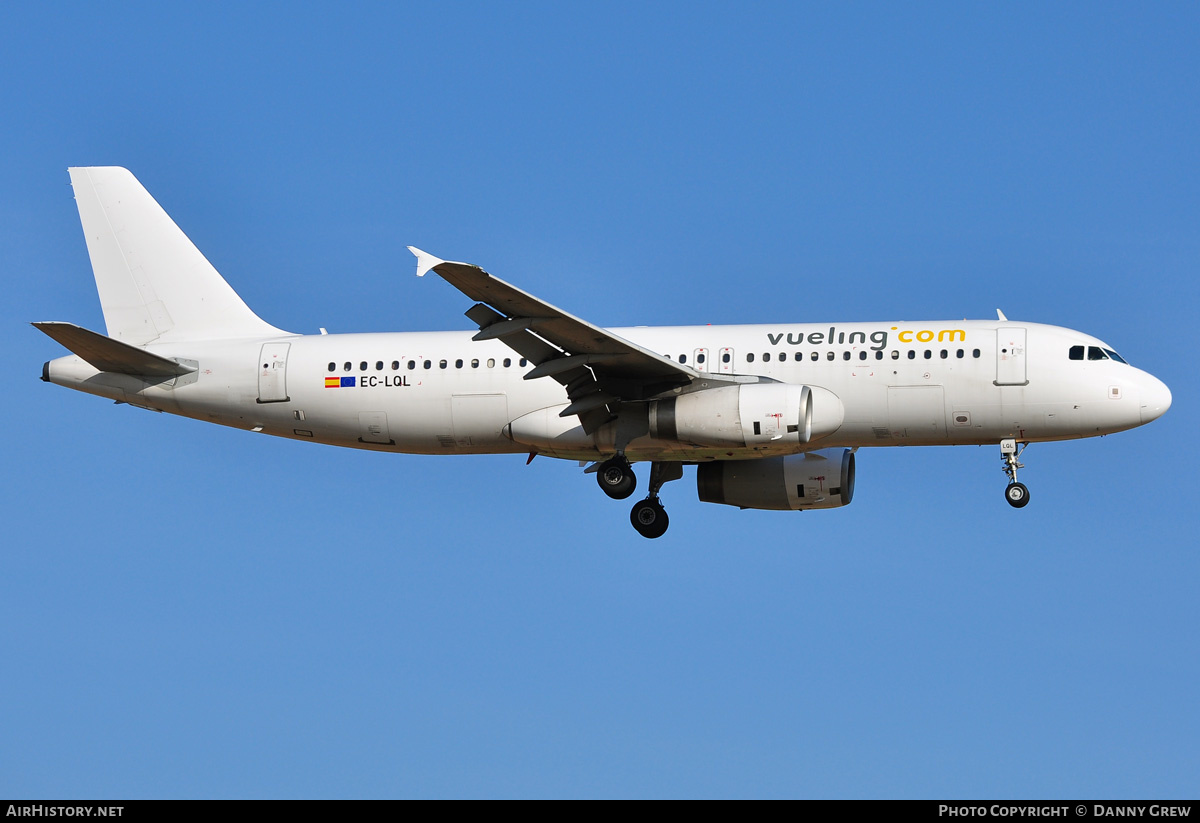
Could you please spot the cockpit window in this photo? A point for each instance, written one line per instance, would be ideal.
(1095, 353)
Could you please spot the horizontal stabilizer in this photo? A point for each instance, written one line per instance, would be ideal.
(111, 355)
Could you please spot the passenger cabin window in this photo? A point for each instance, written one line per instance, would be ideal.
(975, 353)
(700, 358)
(912, 354)
(395, 365)
(458, 364)
(816, 355)
(750, 357)
(378, 365)
(474, 364)
(362, 366)
(333, 366)
(945, 354)
(347, 366)
(862, 355)
(766, 357)
(441, 364)
(429, 364)
(829, 355)
(959, 354)
(683, 358)
(895, 354)
(507, 362)
(799, 356)
(412, 364)
(845, 355)
(928, 354)
(1076, 353)
(1096, 353)
(523, 362)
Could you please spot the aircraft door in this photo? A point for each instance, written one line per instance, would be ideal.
(272, 373)
(725, 361)
(1010, 357)
(700, 358)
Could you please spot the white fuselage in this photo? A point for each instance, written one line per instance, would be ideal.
(899, 383)
(770, 414)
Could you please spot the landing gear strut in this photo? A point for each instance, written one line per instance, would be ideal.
(1016, 494)
(648, 516)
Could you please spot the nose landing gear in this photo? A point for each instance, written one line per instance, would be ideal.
(1016, 494)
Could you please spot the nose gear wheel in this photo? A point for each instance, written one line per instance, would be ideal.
(1015, 493)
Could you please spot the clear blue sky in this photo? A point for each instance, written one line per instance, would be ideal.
(194, 611)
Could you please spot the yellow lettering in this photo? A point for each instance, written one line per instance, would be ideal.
(924, 336)
(904, 339)
(952, 335)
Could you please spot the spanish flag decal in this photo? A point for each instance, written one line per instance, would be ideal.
(339, 382)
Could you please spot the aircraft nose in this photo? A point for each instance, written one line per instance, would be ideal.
(1155, 398)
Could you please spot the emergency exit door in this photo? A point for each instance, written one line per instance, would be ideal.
(725, 361)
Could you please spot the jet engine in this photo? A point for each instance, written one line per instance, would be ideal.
(821, 479)
(757, 414)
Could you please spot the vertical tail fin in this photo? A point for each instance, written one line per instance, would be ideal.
(154, 284)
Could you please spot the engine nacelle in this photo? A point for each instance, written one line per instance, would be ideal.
(822, 479)
(758, 414)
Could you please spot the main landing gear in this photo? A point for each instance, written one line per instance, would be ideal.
(615, 476)
(649, 517)
(1016, 494)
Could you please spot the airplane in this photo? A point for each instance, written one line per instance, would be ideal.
(771, 415)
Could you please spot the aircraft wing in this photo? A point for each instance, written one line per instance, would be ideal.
(598, 368)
